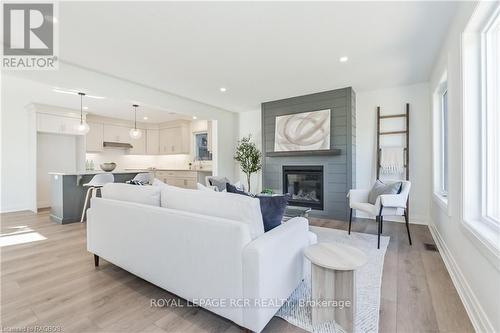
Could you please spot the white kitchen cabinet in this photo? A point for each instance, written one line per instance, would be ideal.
(175, 140)
(94, 137)
(113, 133)
(138, 145)
(50, 123)
(152, 142)
(179, 178)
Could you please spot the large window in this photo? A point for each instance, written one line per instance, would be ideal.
(491, 120)
(481, 126)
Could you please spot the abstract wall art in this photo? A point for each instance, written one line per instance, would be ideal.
(303, 131)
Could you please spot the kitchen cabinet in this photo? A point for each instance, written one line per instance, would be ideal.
(152, 142)
(113, 133)
(175, 140)
(50, 123)
(179, 178)
(94, 137)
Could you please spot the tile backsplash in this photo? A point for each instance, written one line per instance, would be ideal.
(125, 161)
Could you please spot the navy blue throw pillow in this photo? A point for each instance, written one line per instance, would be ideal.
(233, 189)
(272, 207)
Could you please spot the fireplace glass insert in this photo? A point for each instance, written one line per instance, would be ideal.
(305, 185)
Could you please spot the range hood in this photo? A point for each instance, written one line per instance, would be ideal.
(109, 144)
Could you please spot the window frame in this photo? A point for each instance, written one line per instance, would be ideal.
(443, 145)
(490, 51)
(440, 196)
(481, 231)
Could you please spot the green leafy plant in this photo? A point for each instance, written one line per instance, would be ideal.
(268, 191)
(249, 157)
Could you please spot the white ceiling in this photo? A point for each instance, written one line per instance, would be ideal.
(37, 92)
(259, 51)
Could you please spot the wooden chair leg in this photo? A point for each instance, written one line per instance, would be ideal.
(96, 260)
(407, 226)
(350, 221)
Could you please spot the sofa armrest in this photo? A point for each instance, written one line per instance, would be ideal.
(358, 196)
(272, 269)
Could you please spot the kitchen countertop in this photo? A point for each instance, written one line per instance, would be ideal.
(163, 169)
(94, 172)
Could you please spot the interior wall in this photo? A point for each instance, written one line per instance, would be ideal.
(54, 153)
(393, 101)
(475, 277)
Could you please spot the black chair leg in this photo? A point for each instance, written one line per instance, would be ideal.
(381, 224)
(378, 236)
(407, 226)
(350, 221)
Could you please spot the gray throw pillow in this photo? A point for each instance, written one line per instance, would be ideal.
(380, 188)
(219, 182)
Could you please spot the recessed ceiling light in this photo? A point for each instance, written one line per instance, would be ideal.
(222, 89)
(343, 59)
(194, 117)
(145, 118)
(85, 107)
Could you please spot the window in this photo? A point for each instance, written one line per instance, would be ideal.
(481, 126)
(201, 147)
(444, 144)
(491, 119)
(441, 142)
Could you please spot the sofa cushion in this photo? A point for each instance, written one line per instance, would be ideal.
(224, 205)
(147, 195)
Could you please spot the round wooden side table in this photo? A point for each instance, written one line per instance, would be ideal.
(333, 279)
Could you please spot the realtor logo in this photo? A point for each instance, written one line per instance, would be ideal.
(28, 35)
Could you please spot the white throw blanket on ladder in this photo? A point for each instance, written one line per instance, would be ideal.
(392, 160)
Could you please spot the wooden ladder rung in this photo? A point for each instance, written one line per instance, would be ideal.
(394, 132)
(393, 116)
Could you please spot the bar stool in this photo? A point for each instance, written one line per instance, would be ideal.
(95, 184)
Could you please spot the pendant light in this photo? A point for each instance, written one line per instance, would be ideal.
(83, 127)
(135, 133)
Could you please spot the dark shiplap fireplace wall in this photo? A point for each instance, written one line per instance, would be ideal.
(339, 170)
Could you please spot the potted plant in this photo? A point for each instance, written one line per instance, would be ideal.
(249, 157)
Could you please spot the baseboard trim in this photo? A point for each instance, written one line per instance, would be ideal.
(474, 309)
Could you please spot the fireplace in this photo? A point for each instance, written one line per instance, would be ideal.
(305, 185)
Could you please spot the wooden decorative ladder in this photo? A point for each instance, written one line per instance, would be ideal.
(406, 132)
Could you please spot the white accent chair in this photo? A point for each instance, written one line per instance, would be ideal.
(96, 183)
(386, 205)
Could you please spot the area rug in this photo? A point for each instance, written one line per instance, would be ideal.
(368, 281)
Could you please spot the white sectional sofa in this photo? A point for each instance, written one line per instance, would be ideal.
(205, 247)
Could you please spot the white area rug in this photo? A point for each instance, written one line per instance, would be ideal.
(368, 280)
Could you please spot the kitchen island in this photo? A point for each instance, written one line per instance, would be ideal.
(67, 194)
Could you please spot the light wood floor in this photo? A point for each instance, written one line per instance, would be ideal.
(53, 282)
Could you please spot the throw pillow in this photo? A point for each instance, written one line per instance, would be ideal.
(271, 207)
(233, 189)
(219, 182)
(380, 188)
